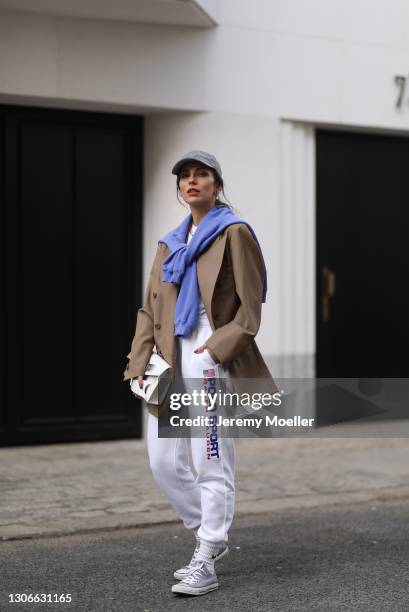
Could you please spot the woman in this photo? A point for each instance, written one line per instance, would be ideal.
(202, 310)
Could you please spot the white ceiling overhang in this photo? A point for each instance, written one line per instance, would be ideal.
(191, 13)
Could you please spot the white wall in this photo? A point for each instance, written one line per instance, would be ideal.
(315, 61)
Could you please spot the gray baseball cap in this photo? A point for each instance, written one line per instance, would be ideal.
(201, 156)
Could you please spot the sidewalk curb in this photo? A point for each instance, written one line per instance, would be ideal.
(246, 507)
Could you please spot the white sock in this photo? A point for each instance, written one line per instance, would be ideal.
(207, 551)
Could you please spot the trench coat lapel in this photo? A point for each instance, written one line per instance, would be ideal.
(208, 268)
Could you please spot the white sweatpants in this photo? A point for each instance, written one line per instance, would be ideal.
(207, 500)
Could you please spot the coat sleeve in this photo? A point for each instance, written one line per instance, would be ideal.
(229, 340)
(143, 341)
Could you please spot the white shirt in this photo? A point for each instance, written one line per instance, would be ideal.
(202, 311)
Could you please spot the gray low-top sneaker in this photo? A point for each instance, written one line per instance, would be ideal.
(184, 571)
(201, 579)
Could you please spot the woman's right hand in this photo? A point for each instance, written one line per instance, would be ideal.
(140, 382)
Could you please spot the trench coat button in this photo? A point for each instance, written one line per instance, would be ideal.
(157, 325)
(154, 294)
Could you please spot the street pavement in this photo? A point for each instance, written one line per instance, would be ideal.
(330, 558)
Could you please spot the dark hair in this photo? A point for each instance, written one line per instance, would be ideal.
(218, 179)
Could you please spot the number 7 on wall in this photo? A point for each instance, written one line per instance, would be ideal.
(401, 83)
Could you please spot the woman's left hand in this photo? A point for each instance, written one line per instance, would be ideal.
(200, 349)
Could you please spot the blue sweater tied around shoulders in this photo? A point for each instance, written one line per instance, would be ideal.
(180, 265)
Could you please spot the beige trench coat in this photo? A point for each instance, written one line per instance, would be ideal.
(230, 277)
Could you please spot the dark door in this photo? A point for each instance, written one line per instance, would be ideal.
(71, 212)
(362, 255)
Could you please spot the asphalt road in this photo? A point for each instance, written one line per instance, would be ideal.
(338, 558)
